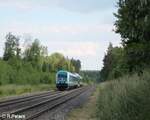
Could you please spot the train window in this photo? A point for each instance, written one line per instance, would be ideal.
(62, 76)
(72, 78)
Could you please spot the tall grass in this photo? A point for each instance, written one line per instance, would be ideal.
(127, 98)
(11, 90)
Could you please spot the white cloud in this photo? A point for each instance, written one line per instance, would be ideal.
(20, 28)
(87, 52)
(76, 48)
(84, 6)
(23, 5)
(28, 5)
(86, 41)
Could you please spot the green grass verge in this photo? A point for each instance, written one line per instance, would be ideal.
(11, 90)
(127, 98)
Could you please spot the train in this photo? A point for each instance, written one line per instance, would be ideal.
(67, 80)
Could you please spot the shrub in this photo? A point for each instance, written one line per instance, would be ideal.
(23, 73)
(127, 98)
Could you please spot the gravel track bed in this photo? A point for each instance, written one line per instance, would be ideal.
(11, 98)
(26, 103)
(47, 106)
(60, 112)
(51, 103)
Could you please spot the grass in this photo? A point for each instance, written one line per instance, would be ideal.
(127, 98)
(85, 112)
(11, 90)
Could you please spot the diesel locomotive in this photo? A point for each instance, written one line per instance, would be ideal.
(67, 80)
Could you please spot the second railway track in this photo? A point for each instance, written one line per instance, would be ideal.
(34, 107)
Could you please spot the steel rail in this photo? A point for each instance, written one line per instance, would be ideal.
(56, 104)
(53, 101)
(26, 98)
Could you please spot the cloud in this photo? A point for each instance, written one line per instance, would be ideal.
(82, 36)
(76, 48)
(83, 6)
(86, 6)
(16, 4)
(43, 29)
(89, 52)
(27, 5)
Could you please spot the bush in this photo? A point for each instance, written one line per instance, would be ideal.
(23, 74)
(5, 73)
(127, 98)
(13, 89)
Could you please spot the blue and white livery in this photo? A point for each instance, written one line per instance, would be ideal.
(67, 80)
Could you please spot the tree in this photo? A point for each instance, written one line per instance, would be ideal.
(107, 63)
(57, 61)
(11, 47)
(76, 64)
(17, 49)
(44, 67)
(133, 24)
(114, 64)
(34, 67)
(33, 53)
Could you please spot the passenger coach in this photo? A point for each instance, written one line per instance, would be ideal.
(67, 80)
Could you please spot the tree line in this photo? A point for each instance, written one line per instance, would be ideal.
(133, 24)
(32, 64)
(90, 76)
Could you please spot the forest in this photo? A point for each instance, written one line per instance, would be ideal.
(30, 68)
(32, 65)
(90, 76)
(133, 24)
(126, 91)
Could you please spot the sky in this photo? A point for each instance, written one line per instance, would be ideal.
(80, 29)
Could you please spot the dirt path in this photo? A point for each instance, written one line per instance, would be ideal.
(86, 111)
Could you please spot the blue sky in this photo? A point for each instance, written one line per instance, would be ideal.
(81, 29)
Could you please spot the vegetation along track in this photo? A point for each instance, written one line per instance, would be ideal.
(33, 107)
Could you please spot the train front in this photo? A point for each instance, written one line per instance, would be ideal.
(62, 80)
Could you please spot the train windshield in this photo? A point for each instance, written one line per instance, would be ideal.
(62, 76)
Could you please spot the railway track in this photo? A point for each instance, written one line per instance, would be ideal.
(25, 98)
(34, 106)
